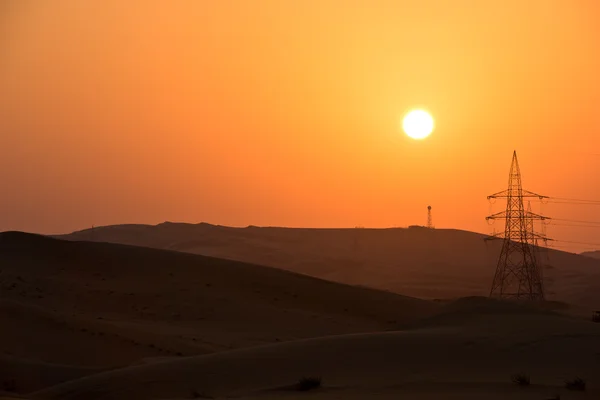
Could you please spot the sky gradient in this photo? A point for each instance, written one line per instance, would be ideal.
(288, 113)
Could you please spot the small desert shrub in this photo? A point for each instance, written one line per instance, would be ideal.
(576, 384)
(308, 383)
(521, 379)
(199, 395)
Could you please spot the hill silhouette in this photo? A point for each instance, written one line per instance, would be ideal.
(418, 262)
(592, 254)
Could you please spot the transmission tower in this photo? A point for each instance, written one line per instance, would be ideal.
(537, 252)
(429, 219)
(529, 222)
(518, 274)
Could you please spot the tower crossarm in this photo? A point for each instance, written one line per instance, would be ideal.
(540, 237)
(516, 214)
(498, 235)
(532, 235)
(510, 193)
(531, 215)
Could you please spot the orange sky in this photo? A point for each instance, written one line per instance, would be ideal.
(272, 112)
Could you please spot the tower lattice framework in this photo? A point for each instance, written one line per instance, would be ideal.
(429, 218)
(518, 273)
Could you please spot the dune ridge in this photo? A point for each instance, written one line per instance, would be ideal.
(418, 262)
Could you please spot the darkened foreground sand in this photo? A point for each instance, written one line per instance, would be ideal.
(418, 262)
(33, 375)
(432, 391)
(84, 320)
(68, 309)
(469, 351)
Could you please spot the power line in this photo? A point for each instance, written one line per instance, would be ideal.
(577, 221)
(576, 225)
(574, 242)
(577, 200)
(572, 203)
(568, 200)
(528, 217)
(568, 245)
(572, 249)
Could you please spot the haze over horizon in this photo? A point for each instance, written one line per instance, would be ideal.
(276, 113)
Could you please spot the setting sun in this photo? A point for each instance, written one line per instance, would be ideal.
(418, 124)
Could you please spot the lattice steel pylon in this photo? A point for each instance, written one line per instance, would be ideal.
(518, 274)
(429, 218)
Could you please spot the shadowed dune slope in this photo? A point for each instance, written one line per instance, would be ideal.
(23, 376)
(419, 262)
(592, 254)
(483, 348)
(61, 336)
(106, 305)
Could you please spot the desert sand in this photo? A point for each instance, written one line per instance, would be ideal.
(469, 351)
(95, 320)
(102, 305)
(592, 254)
(418, 262)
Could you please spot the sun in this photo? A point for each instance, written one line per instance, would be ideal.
(418, 124)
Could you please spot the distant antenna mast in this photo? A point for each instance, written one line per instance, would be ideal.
(429, 219)
(518, 273)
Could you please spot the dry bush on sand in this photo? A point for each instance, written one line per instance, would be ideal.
(521, 379)
(576, 384)
(308, 383)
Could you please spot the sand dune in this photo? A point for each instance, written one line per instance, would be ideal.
(84, 320)
(105, 305)
(592, 254)
(417, 262)
(476, 355)
(23, 375)
(68, 338)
